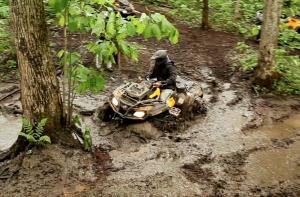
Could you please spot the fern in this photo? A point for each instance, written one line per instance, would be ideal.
(35, 135)
(110, 26)
(27, 126)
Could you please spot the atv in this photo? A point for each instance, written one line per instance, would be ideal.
(139, 101)
(294, 23)
(125, 8)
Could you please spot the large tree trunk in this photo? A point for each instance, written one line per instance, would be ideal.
(40, 94)
(205, 14)
(265, 74)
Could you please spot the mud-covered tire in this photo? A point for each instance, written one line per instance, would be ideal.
(199, 106)
(106, 113)
(168, 123)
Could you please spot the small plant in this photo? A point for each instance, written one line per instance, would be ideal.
(34, 135)
(289, 38)
(87, 139)
(87, 143)
(289, 68)
(248, 60)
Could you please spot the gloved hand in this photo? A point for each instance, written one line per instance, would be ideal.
(157, 84)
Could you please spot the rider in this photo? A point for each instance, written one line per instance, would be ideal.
(165, 72)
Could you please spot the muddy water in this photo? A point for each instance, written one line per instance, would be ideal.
(221, 128)
(272, 166)
(9, 129)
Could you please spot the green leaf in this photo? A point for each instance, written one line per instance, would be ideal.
(111, 26)
(131, 29)
(40, 127)
(74, 10)
(140, 28)
(27, 125)
(157, 17)
(44, 140)
(166, 26)
(58, 5)
(61, 20)
(72, 24)
(77, 120)
(100, 2)
(88, 80)
(99, 27)
(124, 47)
(60, 53)
(148, 32)
(156, 31)
(134, 54)
(174, 37)
(255, 31)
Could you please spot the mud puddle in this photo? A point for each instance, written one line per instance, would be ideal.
(9, 129)
(281, 163)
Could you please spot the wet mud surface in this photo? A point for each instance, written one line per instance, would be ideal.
(246, 144)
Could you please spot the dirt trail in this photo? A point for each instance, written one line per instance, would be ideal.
(236, 149)
(216, 155)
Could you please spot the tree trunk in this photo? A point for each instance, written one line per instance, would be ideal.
(205, 13)
(40, 94)
(265, 75)
(237, 10)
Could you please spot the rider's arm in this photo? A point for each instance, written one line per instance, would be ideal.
(151, 73)
(173, 74)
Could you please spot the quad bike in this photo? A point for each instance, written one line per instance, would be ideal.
(139, 101)
(125, 8)
(294, 23)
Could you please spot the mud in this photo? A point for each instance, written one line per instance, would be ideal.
(246, 144)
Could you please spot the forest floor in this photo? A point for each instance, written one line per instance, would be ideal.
(246, 145)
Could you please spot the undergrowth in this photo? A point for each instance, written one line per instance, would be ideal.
(7, 50)
(288, 66)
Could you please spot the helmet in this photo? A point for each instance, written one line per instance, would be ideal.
(160, 54)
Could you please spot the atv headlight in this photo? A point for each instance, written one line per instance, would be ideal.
(115, 102)
(139, 114)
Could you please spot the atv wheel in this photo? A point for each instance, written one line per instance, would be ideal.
(199, 106)
(106, 113)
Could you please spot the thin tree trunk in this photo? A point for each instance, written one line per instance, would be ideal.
(64, 78)
(40, 94)
(265, 74)
(237, 10)
(205, 14)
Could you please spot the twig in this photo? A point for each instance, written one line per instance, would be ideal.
(9, 94)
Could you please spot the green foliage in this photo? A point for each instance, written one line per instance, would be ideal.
(11, 64)
(88, 80)
(6, 41)
(34, 134)
(289, 68)
(87, 143)
(58, 5)
(84, 79)
(189, 11)
(248, 57)
(87, 139)
(289, 38)
(113, 30)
